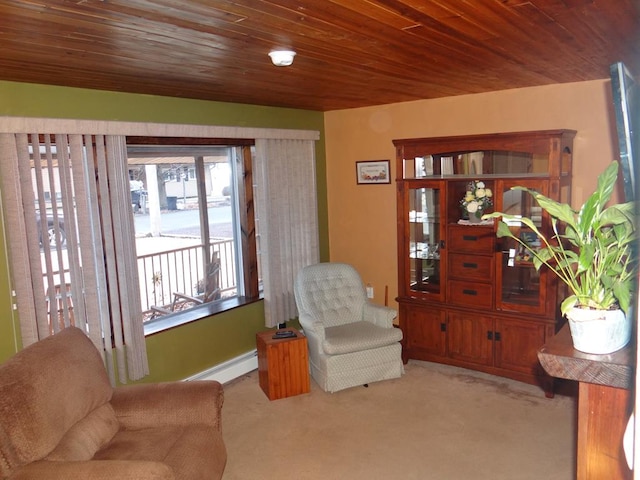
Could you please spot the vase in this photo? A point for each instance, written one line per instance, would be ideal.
(599, 331)
(474, 219)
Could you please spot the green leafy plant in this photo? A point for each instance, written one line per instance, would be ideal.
(590, 250)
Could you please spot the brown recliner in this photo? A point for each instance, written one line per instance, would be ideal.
(61, 419)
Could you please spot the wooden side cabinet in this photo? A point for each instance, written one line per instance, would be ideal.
(605, 402)
(283, 364)
(466, 297)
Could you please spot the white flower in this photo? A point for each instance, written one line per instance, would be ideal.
(472, 206)
(477, 198)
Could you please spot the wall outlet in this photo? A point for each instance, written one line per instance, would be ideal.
(369, 291)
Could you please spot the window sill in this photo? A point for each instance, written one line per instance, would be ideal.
(172, 320)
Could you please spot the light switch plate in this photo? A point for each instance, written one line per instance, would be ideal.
(369, 291)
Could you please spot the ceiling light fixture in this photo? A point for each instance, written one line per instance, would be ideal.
(282, 58)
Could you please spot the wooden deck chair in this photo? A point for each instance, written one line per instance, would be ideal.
(211, 284)
(211, 289)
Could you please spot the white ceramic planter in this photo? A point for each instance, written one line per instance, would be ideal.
(599, 331)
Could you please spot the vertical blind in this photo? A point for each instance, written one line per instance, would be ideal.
(102, 290)
(68, 195)
(287, 220)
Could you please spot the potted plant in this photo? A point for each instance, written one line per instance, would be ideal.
(591, 250)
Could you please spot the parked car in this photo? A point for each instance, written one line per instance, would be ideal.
(51, 231)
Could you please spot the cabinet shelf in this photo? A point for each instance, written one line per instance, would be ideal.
(523, 263)
(477, 283)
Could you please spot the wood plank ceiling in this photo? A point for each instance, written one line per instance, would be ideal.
(350, 53)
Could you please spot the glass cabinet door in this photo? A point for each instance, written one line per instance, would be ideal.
(520, 286)
(424, 206)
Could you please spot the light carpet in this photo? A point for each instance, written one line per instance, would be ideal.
(436, 422)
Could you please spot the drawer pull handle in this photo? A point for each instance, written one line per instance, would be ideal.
(469, 292)
(469, 265)
(470, 238)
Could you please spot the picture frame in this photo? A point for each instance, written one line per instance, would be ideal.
(373, 172)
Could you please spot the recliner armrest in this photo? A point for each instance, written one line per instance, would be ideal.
(311, 328)
(94, 470)
(379, 315)
(172, 403)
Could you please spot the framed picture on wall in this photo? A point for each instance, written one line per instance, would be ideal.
(373, 171)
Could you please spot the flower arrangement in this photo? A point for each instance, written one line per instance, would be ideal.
(477, 199)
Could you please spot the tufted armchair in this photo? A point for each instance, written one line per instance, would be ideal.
(351, 340)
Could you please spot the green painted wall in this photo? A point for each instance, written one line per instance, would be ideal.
(9, 329)
(188, 349)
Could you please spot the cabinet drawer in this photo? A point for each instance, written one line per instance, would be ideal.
(471, 267)
(470, 293)
(468, 239)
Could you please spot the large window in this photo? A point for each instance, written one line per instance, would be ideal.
(192, 204)
(71, 201)
(193, 235)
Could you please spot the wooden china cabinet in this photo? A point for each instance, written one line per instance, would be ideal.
(466, 297)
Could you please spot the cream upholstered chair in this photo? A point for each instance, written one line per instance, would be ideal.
(351, 340)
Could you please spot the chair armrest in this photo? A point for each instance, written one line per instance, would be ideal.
(160, 310)
(186, 297)
(379, 315)
(311, 327)
(94, 470)
(172, 403)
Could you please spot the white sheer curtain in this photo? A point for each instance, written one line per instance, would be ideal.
(287, 222)
(75, 189)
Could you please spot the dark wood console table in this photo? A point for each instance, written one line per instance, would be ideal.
(605, 401)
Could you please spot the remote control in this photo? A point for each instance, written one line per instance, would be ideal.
(284, 335)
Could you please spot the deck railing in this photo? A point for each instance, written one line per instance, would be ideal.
(182, 270)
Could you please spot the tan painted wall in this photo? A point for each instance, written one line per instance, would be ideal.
(362, 218)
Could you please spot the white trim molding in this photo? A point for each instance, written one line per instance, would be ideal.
(105, 127)
(229, 370)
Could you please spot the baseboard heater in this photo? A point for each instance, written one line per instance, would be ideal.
(229, 370)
